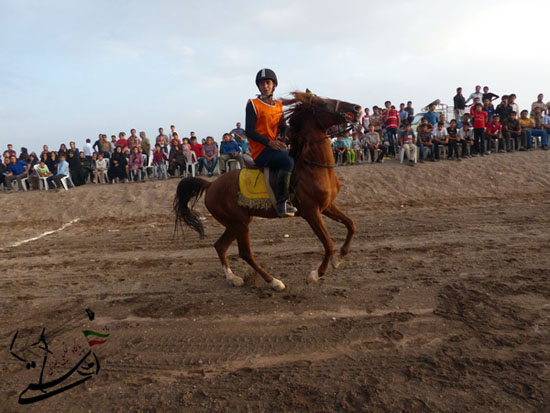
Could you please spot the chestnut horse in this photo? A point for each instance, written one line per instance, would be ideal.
(309, 116)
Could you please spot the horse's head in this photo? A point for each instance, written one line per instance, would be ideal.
(324, 111)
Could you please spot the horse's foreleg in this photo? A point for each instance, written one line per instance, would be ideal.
(315, 221)
(243, 239)
(336, 214)
(221, 245)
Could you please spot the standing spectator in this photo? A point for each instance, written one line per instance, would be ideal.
(392, 124)
(17, 170)
(489, 108)
(88, 150)
(162, 140)
(85, 166)
(238, 134)
(459, 104)
(440, 138)
(209, 157)
(122, 142)
(377, 119)
(480, 120)
(159, 163)
(62, 172)
(410, 111)
(431, 115)
(95, 146)
(512, 101)
(546, 123)
(407, 142)
(488, 95)
(11, 151)
(145, 146)
(504, 109)
(113, 143)
(473, 107)
(105, 147)
(73, 148)
(45, 151)
(132, 140)
(171, 134)
(403, 114)
(62, 151)
(365, 121)
(4, 162)
(135, 165)
(538, 104)
(229, 149)
(356, 147)
(476, 94)
(24, 155)
(174, 138)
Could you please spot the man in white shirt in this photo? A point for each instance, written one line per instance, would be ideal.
(476, 94)
(87, 149)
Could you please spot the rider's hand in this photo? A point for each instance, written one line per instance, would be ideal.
(277, 145)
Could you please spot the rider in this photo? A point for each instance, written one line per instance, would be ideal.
(264, 123)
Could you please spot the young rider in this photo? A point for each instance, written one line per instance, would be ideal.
(264, 122)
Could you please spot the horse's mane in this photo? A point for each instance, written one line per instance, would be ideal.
(297, 107)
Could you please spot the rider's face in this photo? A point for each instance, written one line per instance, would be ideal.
(266, 87)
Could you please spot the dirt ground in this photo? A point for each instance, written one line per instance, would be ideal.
(442, 305)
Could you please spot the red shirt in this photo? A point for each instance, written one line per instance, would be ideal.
(173, 140)
(122, 142)
(197, 148)
(493, 128)
(392, 122)
(480, 119)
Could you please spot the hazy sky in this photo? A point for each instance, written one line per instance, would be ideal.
(70, 69)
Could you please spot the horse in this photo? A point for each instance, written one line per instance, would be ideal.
(309, 117)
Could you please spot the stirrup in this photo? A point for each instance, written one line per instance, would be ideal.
(284, 209)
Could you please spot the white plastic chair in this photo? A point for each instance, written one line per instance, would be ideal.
(43, 180)
(64, 182)
(234, 162)
(191, 162)
(402, 154)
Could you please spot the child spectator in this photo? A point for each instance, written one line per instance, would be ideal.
(480, 120)
(62, 172)
(454, 140)
(494, 132)
(159, 163)
(339, 149)
(512, 132)
(392, 124)
(135, 165)
(466, 136)
(100, 168)
(407, 142)
(356, 146)
(440, 138)
(424, 141)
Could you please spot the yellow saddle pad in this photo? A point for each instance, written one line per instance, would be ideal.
(252, 184)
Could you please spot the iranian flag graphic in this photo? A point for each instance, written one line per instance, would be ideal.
(94, 337)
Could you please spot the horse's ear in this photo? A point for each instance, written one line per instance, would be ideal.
(308, 91)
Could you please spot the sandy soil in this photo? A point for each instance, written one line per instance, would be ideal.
(442, 305)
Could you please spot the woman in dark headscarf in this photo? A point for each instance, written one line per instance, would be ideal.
(24, 156)
(117, 166)
(52, 162)
(176, 159)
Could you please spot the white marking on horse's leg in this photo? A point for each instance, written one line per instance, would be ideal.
(233, 279)
(336, 260)
(313, 277)
(277, 285)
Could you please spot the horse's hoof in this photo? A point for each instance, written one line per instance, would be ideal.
(336, 260)
(236, 281)
(277, 285)
(313, 277)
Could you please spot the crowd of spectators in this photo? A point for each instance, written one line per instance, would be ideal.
(476, 130)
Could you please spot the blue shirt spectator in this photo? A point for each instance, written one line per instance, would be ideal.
(229, 147)
(18, 167)
(432, 117)
(63, 168)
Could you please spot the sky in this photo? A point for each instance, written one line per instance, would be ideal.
(71, 69)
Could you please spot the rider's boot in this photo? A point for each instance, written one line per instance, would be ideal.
(284, 209)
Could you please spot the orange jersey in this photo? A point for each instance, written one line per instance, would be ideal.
(267, 124)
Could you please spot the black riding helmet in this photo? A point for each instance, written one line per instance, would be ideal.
(266, 74)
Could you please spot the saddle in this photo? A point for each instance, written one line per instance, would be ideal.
(256, 185)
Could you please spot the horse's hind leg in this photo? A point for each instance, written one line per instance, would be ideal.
(336, 214)
(221, 245)
(243, 239)
(315, 221)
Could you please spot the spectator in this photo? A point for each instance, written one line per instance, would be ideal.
(512, 101)
(466, 136)
(45, 151)
(407, 142)
(488, 95)
(24, 155)
(489, 108)
(504, 108)
(473, 107)
(62, 172)
(171, 134)
(75, 169)
(52, 161)
(356, 147)
(410, 111)
(105, 147)
(454, 140)
(176, 159)
(85, 166)
(403, 114)
(392, 124)
(377, 119)
(546, 123)
(238, 134)
(229, 149)
(117, 166)
(494, 132)
(162, 140)
(365, 121)
(113, 142)
(372, 143)
(209, 157)
(459, 104)
(88, 150)
(174, 138)
(41, 171)
(443, 118)
(340, 150)
(62, 151)
(100, 168)
(480, 120)
(159, 163)
(538, 104)
(11, 151)
(17, 170)
(529, 130)
(136, 165)
(122, 142)
(440, 138)
(145, 146)
(474, 95)
(424, 142)
(431, 115)
(73, 149)
(467, 119)
(512, 132)
(95, 146)
(4, 162)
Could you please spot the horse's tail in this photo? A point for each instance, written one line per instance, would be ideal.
(189, 190)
